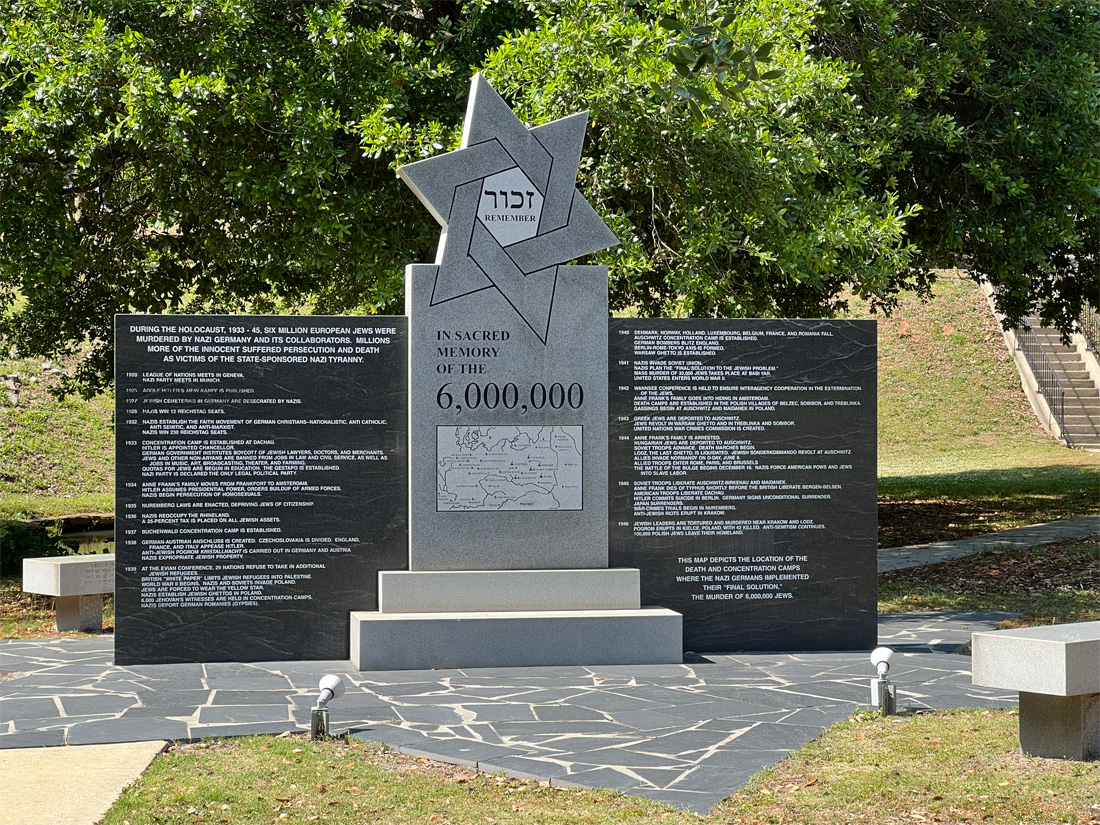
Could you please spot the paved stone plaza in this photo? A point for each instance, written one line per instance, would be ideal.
(689, 734)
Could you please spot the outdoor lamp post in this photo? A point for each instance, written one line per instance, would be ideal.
(331, 687)
(883, 692)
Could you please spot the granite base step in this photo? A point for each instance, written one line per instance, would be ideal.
(464, 591)
(539, 638)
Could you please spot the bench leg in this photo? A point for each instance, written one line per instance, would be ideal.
(79, 612)
(1060, 727)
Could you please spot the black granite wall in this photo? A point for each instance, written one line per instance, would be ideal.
(743, 478)
(260, 483)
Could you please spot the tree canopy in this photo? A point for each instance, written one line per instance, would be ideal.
(239, 155)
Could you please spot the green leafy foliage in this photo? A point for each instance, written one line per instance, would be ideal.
(755, 157)
(19, 540)
(992, 112)
(705, 43)
(759, 209)
(184, 155)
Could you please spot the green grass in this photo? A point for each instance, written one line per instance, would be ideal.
(920, 509)
(957, 766)
(960, 451)
(950, 400)
(252, 780)
(946, 767)
(56, 456)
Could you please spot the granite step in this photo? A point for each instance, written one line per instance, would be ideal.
(497, 591)
(537, 638)
(1079, 430)
(1083, 418)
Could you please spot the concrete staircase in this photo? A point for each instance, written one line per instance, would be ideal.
(1080, 425)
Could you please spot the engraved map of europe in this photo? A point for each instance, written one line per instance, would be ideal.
(509, 468)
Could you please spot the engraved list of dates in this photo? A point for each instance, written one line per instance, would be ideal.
(244, 444)
(742, 452)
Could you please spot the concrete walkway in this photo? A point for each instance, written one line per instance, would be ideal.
(689, 735)
(69, 786)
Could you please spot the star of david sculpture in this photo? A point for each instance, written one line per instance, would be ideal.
(508, 422)
(509, 207)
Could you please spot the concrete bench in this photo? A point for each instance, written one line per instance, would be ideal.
(77, 584)
(1056, 669)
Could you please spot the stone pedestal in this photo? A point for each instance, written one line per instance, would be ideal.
(79, 612)
(512, 618)
(422, 641)
(455, 591)
(77, 584)
(1056, 669)
(1060, 727)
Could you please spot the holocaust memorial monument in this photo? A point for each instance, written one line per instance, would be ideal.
(503, 476)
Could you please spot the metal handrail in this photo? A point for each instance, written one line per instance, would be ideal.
(1045, 376)
(1088, 323)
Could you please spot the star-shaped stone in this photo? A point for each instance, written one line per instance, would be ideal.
(509, 207)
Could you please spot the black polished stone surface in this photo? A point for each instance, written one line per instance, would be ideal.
(743, 477)
(260, 483)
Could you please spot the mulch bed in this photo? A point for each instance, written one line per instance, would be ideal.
(1073, 564)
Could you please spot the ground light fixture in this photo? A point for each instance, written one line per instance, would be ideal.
(883, 692)
(331, 687)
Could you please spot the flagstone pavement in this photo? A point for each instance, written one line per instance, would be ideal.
(689, 735)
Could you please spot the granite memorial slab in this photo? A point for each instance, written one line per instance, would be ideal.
(508, 398)
(743, 478)
(260, 483)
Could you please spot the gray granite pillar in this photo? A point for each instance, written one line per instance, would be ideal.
(1060, 727)
(79, 612)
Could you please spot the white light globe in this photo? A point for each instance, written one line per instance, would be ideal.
(882, 655)
(332, 683)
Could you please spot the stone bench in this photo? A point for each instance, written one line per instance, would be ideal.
(77, 584)
(1056, 669)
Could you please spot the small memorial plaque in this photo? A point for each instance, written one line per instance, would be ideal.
(743, 478)
(510, 207)
(261, 483)
(95, 577)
